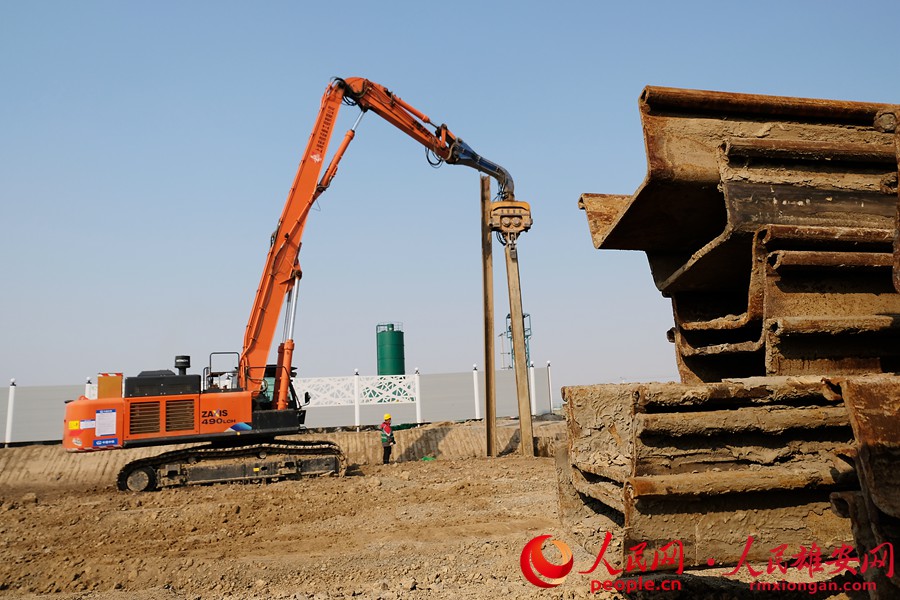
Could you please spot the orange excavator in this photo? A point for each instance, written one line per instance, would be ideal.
(239, 412)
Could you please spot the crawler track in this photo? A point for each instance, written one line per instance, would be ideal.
(279, 459)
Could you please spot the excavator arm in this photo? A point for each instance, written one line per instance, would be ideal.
(446, 146)
(282, 269)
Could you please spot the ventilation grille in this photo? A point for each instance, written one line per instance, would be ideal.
(179, 415)
(144, 418)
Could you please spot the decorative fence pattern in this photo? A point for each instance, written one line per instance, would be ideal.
(360, 390)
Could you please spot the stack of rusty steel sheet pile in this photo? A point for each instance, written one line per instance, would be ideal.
(707, 465)
(769, 222)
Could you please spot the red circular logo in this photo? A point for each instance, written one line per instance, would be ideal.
(532, 560)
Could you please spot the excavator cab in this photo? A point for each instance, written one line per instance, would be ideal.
(266, 398)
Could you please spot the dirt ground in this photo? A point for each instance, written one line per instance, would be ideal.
(444, 528)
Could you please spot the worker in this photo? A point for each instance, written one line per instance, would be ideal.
(387, 437)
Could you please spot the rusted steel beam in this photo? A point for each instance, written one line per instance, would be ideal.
(719, 104)
(799, 150)
(698, 454)
(687, 350)
(813, 259)
(784, 236)
(839, 345)
(810, 390)
(838, 325)
(743, 481)
(752, 205)
(817, 294)
(740, 420)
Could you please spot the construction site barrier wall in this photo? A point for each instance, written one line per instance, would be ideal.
(38, 411)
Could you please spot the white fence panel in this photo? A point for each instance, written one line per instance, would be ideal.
(387, 389)
(328, 391)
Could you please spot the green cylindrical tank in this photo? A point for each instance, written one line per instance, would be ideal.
(389, 338)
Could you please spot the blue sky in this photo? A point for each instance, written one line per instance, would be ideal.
(146, 150)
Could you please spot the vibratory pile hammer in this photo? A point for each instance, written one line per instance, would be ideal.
(771, 223)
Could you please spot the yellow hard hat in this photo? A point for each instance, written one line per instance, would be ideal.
(387, 417)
